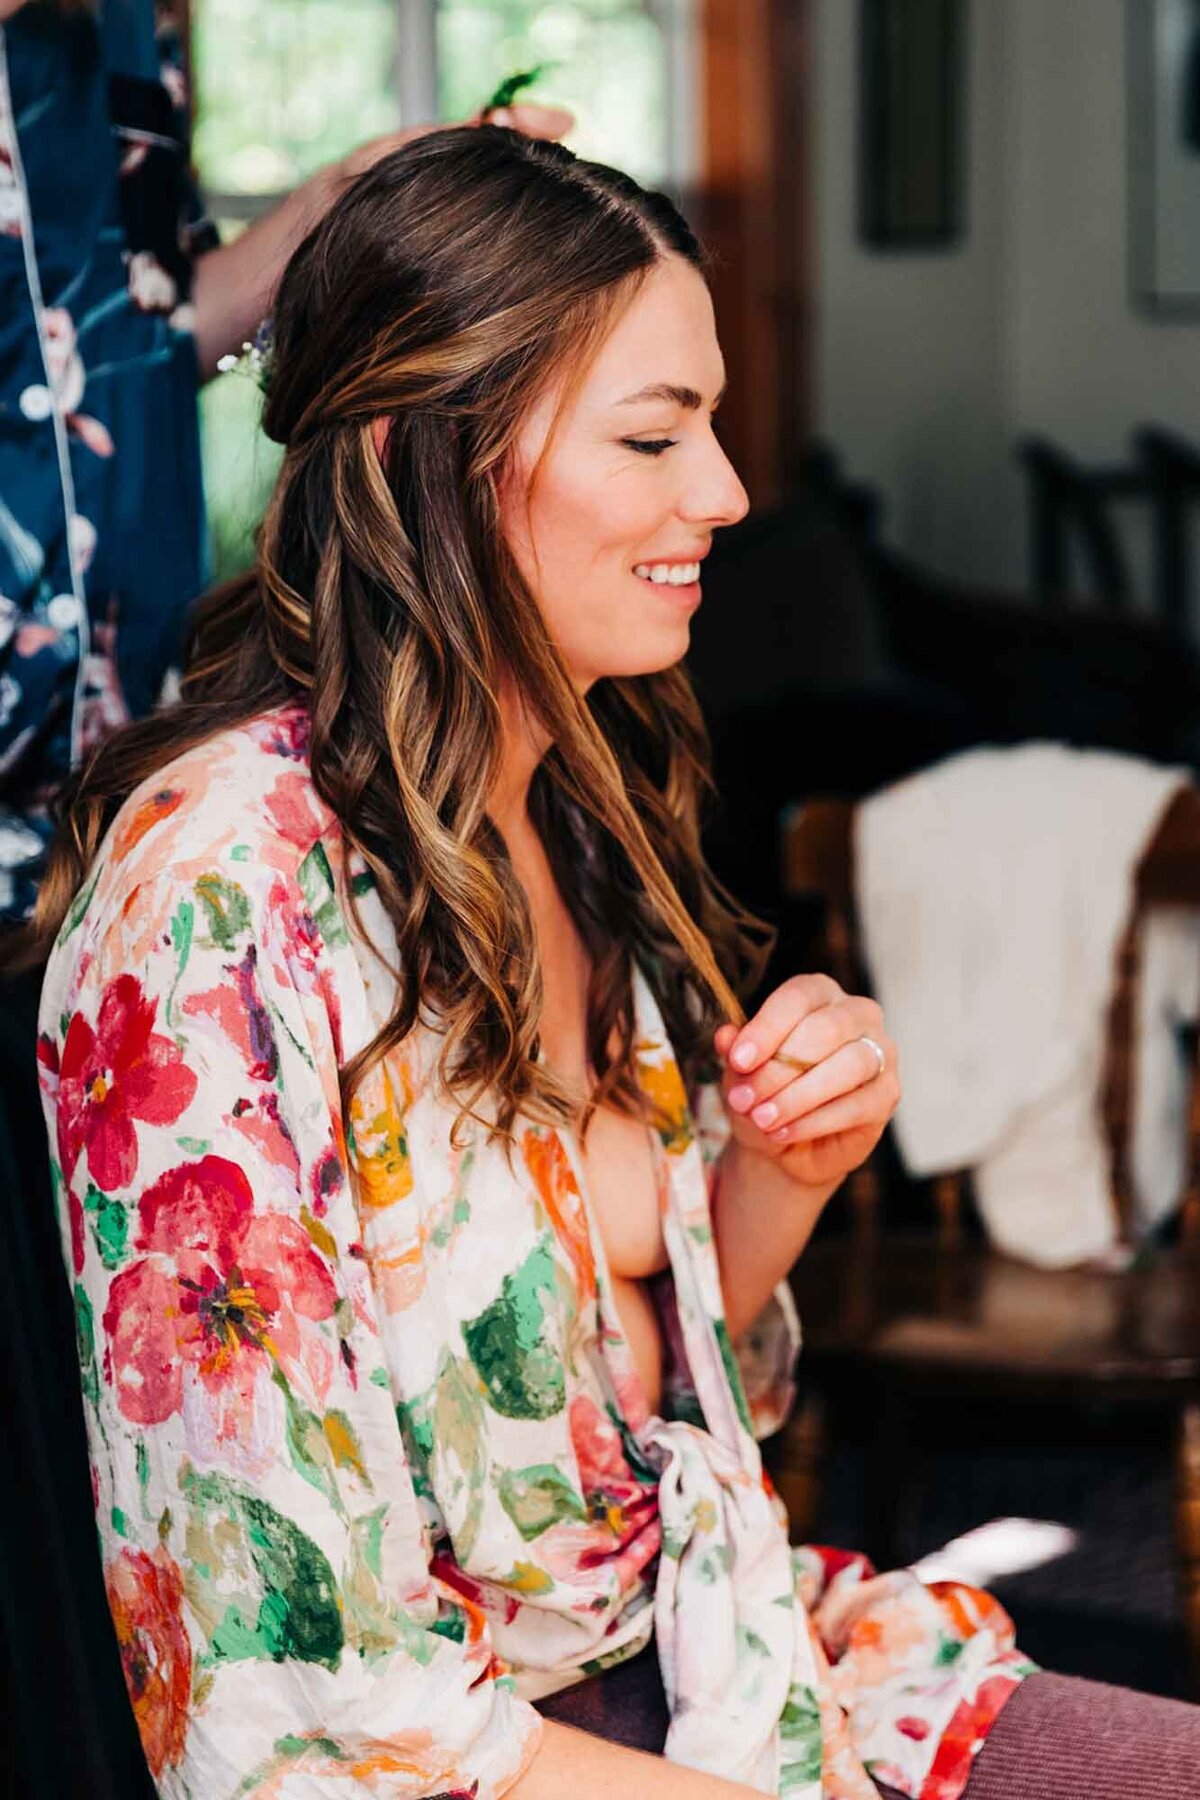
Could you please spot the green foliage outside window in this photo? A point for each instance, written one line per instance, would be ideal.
(283, 86)
(606, 63)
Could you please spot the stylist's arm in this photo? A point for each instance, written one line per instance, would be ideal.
(233, 285)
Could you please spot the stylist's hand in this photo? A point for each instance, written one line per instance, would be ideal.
(530, 120)
(818, 1123)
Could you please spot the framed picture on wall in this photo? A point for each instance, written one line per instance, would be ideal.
(1163, 39)
(911, 116)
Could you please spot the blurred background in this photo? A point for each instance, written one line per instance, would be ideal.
(957, 274)
(950, 665)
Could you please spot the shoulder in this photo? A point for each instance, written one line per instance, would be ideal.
(234, 826)
(241, 801)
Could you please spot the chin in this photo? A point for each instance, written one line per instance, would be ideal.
(645, 658)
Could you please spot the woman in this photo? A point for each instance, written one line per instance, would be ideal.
(115, 303)
(411, 1215)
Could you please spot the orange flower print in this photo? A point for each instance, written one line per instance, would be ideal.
(134, 826)
(662, 1085)
(382, 1162)
(558, 1191)
(145, 1597)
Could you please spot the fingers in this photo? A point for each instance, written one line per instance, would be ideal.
(534, 120)
(867, 1108)
(848, 1073)
(524, 116)
(779, 1016)
(816, 1041)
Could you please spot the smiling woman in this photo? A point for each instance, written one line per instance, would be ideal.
(592, 526)
(427, 1201)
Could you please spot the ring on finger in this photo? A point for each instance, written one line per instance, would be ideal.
(880, 1056)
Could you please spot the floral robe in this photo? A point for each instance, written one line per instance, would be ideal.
(372, 1464)
(101, 508)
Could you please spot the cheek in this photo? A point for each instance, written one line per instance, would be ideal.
(579, 525)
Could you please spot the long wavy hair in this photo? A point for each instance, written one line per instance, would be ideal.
(447, 288)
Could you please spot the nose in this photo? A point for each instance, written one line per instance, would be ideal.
(715, 495)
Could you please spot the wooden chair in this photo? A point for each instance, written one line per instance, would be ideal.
(937, 1316)
(1072, 504)
(1173, 466)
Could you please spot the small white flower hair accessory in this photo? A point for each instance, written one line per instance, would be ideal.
(257, 358)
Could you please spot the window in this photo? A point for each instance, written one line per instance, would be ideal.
(283, 86)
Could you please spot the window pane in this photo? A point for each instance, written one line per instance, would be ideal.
(610, 68)
(282, 86)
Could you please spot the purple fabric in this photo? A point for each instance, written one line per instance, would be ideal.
(1063, 1739)
(626, 1705)
(1056, 1739)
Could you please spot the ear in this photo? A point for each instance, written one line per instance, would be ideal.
(381, 429)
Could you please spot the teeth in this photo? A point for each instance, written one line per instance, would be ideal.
(669, 574)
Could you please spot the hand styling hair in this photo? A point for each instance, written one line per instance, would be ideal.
(445, 292)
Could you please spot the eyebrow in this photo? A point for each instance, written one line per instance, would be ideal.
(666, 390)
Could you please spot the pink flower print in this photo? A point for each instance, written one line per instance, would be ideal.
(220, 1296)
(151, 289)
(64, 366)
(113, 1076)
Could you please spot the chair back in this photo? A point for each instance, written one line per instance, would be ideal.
(818, 857)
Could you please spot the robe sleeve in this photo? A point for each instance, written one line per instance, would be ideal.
(768, 1349)
(264, 1559)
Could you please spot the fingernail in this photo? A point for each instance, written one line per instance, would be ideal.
(745, 1056)
(502, 116)
(740, 1098)
(781, 1136)
(765, 1115)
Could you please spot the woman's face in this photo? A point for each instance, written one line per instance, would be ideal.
(610, 530)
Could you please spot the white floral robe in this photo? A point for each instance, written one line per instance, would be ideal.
(373, 1467)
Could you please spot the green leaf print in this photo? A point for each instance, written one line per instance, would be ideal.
(77, 909)
(227, 909)
(457, 1419)
(416, 1428)
(538, 1497)
(800, 1740)
(311, 1452)
(523, 1374)
(317, 885)
(85, 1338)
(182, 924)
(733, 1372)
(373, 1627)
(110, 1225)
(260, 1587)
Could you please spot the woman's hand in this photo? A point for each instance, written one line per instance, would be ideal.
(525, 116)
(819, 1121)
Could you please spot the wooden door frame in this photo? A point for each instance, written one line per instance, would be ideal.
(756, 214)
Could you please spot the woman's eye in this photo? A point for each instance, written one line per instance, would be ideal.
(650, 446)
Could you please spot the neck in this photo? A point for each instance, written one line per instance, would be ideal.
(523, 745)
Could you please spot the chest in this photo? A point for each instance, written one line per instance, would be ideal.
(617, 1151)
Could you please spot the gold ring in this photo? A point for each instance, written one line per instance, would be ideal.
(793, 1062)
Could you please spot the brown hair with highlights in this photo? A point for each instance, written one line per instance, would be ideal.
(447, 289)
